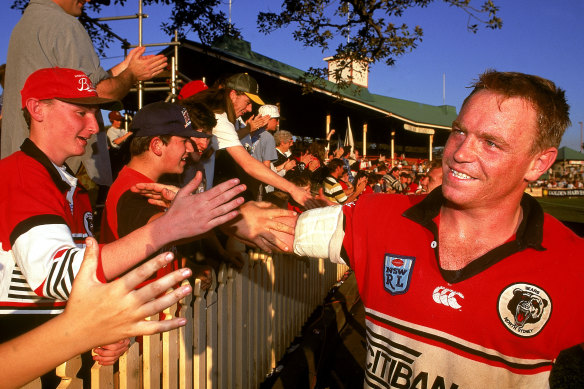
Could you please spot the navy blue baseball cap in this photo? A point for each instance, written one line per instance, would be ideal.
(162, 118)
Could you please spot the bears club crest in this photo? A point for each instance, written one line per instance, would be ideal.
(524, 309)
(397, 273)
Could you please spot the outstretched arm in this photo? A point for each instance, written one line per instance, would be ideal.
(260, 172)
(96, 314)
(189, 215)
(256, 225)
(260, 224)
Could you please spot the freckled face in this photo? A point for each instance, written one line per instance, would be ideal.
(70, 128)
(487, 157)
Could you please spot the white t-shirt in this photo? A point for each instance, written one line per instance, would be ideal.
(114, 133)
(224, 134)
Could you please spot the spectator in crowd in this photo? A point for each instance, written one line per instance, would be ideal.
(244, 128)
(365, 175)
(49, 35)
(202, 118)
(333, 189)
(407, 180)
(479, 247)
(435, 176)
(317, 155)
(228, 104)
(422, 184)
(392, 181)
(117, 134)
(376, 182)
(97, 313)
(284, 141)
(347, 161)
(263, 146)
(162, 144)
(327, 145)
(191, 88)
(42, 204)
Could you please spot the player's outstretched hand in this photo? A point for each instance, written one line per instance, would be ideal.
(261, 225)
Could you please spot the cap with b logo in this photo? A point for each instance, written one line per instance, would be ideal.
(68, 85)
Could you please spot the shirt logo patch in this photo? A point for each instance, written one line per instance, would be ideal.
(447, 297)
(397, 273)
(524, 309)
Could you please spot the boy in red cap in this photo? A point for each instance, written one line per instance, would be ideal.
(46, 216)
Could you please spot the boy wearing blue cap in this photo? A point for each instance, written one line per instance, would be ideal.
(164, 136)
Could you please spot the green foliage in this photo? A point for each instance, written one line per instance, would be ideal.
(198, 16)
(366, 27)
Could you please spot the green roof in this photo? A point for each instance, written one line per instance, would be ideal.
(566, 153)
(418, 113)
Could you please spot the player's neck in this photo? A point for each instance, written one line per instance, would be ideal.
(467, 235)
(501, 219)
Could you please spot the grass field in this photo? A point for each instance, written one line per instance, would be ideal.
(569, 210)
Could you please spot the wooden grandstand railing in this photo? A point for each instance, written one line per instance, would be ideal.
(240, 328)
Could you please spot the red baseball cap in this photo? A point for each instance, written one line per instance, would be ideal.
(192, 88)
(68, 85)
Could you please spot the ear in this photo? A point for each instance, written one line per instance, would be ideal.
(34, 107)
(542, 161)
(156, 146)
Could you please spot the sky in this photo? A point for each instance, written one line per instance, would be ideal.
(538, 37)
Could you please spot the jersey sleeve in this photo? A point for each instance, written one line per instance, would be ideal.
(48, 259)
(40, 239)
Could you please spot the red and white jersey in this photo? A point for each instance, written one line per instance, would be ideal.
(499, 322)
(45, 221)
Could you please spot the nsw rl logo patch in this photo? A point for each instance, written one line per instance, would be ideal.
(524, 309)
(397, 273)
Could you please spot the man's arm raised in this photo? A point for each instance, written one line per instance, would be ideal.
(136, 67)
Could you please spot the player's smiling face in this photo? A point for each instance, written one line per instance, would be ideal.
(487, 157)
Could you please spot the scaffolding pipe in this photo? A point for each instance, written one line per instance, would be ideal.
(140, 26)
(141, 85)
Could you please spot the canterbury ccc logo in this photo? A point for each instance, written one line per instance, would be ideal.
(447, 297)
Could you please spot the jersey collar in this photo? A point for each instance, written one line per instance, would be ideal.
(29, 148)
(529, 234)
